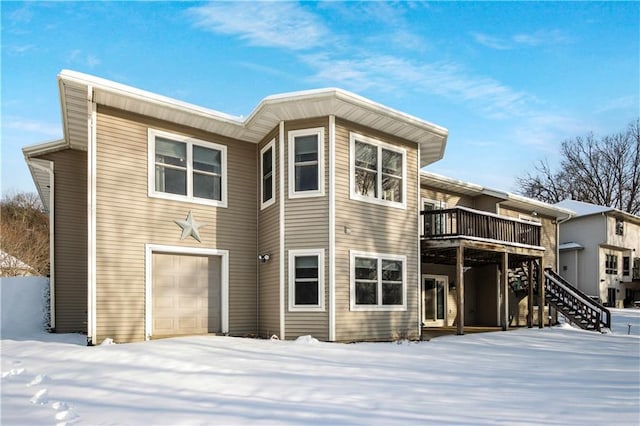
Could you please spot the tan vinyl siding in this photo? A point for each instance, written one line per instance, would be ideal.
(70, 239)
(127, 218)
(377, 229)
(269, 242)
(548, 238)
(307, 227)
(451, 199)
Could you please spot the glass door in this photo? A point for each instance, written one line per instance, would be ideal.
(434, 300)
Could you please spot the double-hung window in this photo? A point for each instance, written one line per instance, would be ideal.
(306, 280)
(306, 170)
(378, 171)
(611, 264)
(187, 169)
(378, 282)
(267, 182)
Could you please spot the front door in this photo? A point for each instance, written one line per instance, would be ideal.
(434, 300)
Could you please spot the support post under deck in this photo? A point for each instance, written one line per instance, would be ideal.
(504, 286)
(530, 296)
(541, 301)
(460, 288)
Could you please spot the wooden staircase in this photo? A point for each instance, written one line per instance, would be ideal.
(574, 305)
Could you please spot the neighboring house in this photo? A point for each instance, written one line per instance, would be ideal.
(303, 218)
(600, 252)
(11, 266)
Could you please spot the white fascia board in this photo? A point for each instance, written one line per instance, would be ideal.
(445, 182)
(143, 95)
(287, 101)
(44, 148)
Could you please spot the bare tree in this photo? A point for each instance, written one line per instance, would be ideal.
(25, 235)
(603, 171)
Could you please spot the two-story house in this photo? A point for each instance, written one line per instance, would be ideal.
(600, 252)
(302, 218)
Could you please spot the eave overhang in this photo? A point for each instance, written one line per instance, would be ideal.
(78, 90)
(507, 199)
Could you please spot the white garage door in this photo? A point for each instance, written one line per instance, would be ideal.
(186, 294)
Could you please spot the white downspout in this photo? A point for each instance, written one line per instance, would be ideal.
(91, 218)
(282, 224)
(332, 228)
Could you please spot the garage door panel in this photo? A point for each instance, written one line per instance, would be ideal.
(186, 294)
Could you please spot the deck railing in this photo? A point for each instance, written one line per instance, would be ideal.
(466, 222)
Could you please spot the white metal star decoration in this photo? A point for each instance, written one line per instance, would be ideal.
(189, 227)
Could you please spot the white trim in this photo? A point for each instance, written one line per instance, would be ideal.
(352, 281)
(190, 142)
(440, 205)
(332, 228)
(281, 230)
(91, 223)
(319, 132)
(254, 126)
(352, 162)
(319, 253)
(445, 320)
(418, 238)
(224, 280)
(272, 200)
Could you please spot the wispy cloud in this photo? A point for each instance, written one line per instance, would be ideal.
(621, 103)
(546, 131)
(19, 50)
(294, 27)
(32, 126)
(389, 73)
(538, 38)
(79, 57)
(282, 24)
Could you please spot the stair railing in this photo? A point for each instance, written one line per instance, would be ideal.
(574, 304)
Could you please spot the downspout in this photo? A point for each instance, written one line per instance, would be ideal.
(91, 218)
(419, 268)
(282, 224)
(332, 228)
(257, 254)
(558, 223)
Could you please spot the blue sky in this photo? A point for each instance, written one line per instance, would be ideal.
(510, 80)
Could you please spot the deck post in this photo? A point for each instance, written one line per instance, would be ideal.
(460, 288)
(541, 301)
(530, 296)
(504, 285)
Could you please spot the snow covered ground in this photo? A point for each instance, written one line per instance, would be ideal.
(528, 376)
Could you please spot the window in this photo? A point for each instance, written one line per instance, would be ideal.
(306, 280)
(626, 266)
(187, 169)
(267, 169)
(433, 224)
(378, 171)
(306, 170)
(619, 226)
(378, 282)
(611, 264)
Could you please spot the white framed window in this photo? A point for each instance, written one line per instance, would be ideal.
(378, 282)
(306, 163)
(378, 171)
(182, 168)
(267, 175)
(306, 280)
(433, 225)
